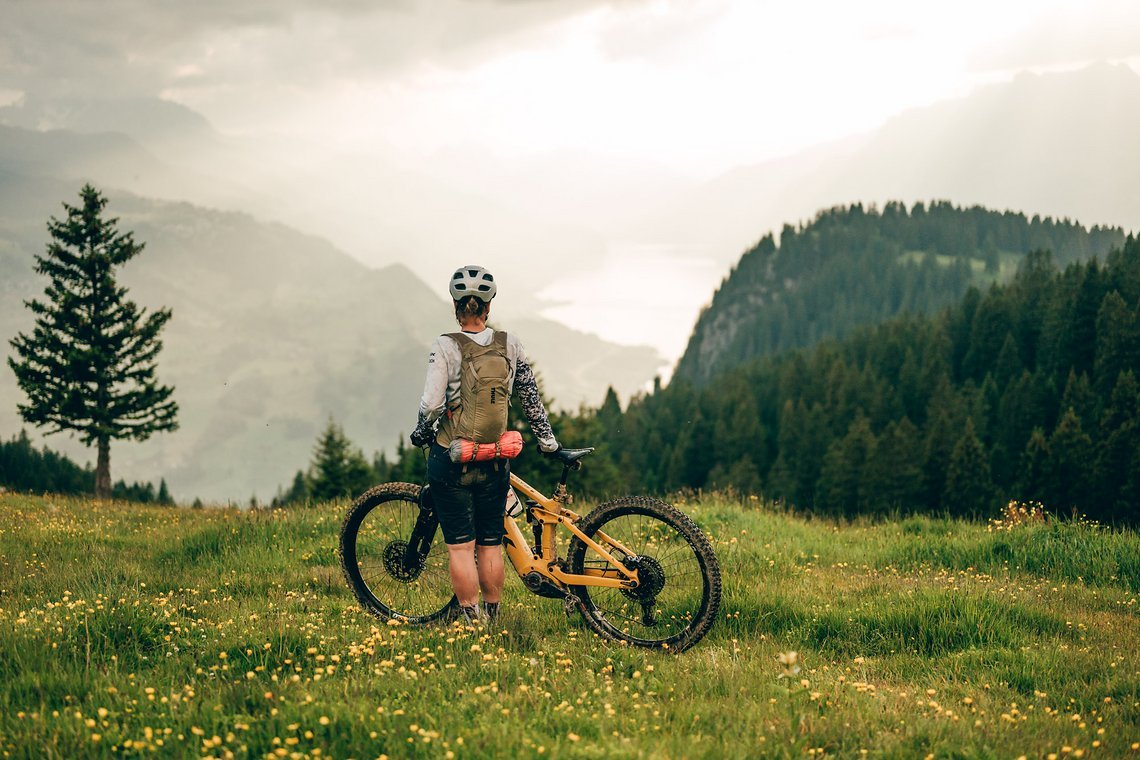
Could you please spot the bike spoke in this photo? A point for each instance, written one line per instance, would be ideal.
(666, 560)
(380, 542)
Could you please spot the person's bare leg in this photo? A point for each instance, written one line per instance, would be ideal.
(491, 572)
(464, 576)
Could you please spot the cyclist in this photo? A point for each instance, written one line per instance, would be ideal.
(470, 498)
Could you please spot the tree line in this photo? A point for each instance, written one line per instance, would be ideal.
(1025, 391)
(25, 468)
(339, 470)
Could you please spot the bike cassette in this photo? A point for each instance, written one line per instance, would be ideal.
(651, 579)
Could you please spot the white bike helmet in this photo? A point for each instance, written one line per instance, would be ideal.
(475, 281)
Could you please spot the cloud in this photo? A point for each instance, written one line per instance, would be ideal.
(1089, 31)
(134, 47)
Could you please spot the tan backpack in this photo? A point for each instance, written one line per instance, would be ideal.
(484, 392)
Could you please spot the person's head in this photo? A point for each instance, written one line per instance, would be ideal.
(472, 288)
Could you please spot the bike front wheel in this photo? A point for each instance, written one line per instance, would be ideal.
(679, 592)
(392, 559)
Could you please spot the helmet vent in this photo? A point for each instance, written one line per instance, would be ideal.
(474, 280)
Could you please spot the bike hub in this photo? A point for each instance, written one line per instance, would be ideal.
(397, 565)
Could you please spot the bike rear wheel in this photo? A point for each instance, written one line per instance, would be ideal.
(680, 590)
(392, 559)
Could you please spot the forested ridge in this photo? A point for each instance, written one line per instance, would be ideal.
(1025, 391)
(854, 266)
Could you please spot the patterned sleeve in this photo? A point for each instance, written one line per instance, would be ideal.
(533, 409)
(424, 432)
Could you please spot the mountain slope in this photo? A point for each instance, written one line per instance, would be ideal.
(272, 333)
(1027, 391)
(854, 266)
(379, 210)
(273, 330)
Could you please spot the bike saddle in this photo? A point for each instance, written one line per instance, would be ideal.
(569, 456)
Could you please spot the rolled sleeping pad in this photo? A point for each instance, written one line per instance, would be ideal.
(508, 446)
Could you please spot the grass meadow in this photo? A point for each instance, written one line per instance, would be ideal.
(129, 630)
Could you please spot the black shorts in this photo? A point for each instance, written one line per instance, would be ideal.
(469, 499)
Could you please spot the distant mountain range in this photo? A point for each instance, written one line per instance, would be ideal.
(274, 331)
(379, 210)
(1059, 144)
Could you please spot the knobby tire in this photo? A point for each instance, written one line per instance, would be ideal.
(390, 511)
(681, 554)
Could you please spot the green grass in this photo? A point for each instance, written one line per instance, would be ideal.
(133, 630)
(1008, 262)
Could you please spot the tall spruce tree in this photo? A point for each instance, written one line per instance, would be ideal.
(339, 469)
(969, 489)
(89, 364)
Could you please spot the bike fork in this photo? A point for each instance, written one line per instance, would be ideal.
(419, 543)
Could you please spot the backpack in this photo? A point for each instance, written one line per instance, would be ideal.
(484, 392)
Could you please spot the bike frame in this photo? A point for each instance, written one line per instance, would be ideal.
(550, 513)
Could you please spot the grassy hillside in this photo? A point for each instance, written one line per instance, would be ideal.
(127, 629)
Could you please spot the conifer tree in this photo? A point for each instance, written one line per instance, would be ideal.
(1117, 341)
(1032, 482)
(969, 489)
(843, 481)
(1118, 455)
(297, 493)
(89, 364)
(164, 498)
(410, 465)
(1070, 464)
(339, 469)
(894, 476)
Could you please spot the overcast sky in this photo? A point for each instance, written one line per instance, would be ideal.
(566, 113)
(698, 85)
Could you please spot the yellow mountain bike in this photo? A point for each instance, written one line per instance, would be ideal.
(638, 569)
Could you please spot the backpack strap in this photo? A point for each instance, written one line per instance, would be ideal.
(459, 337)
